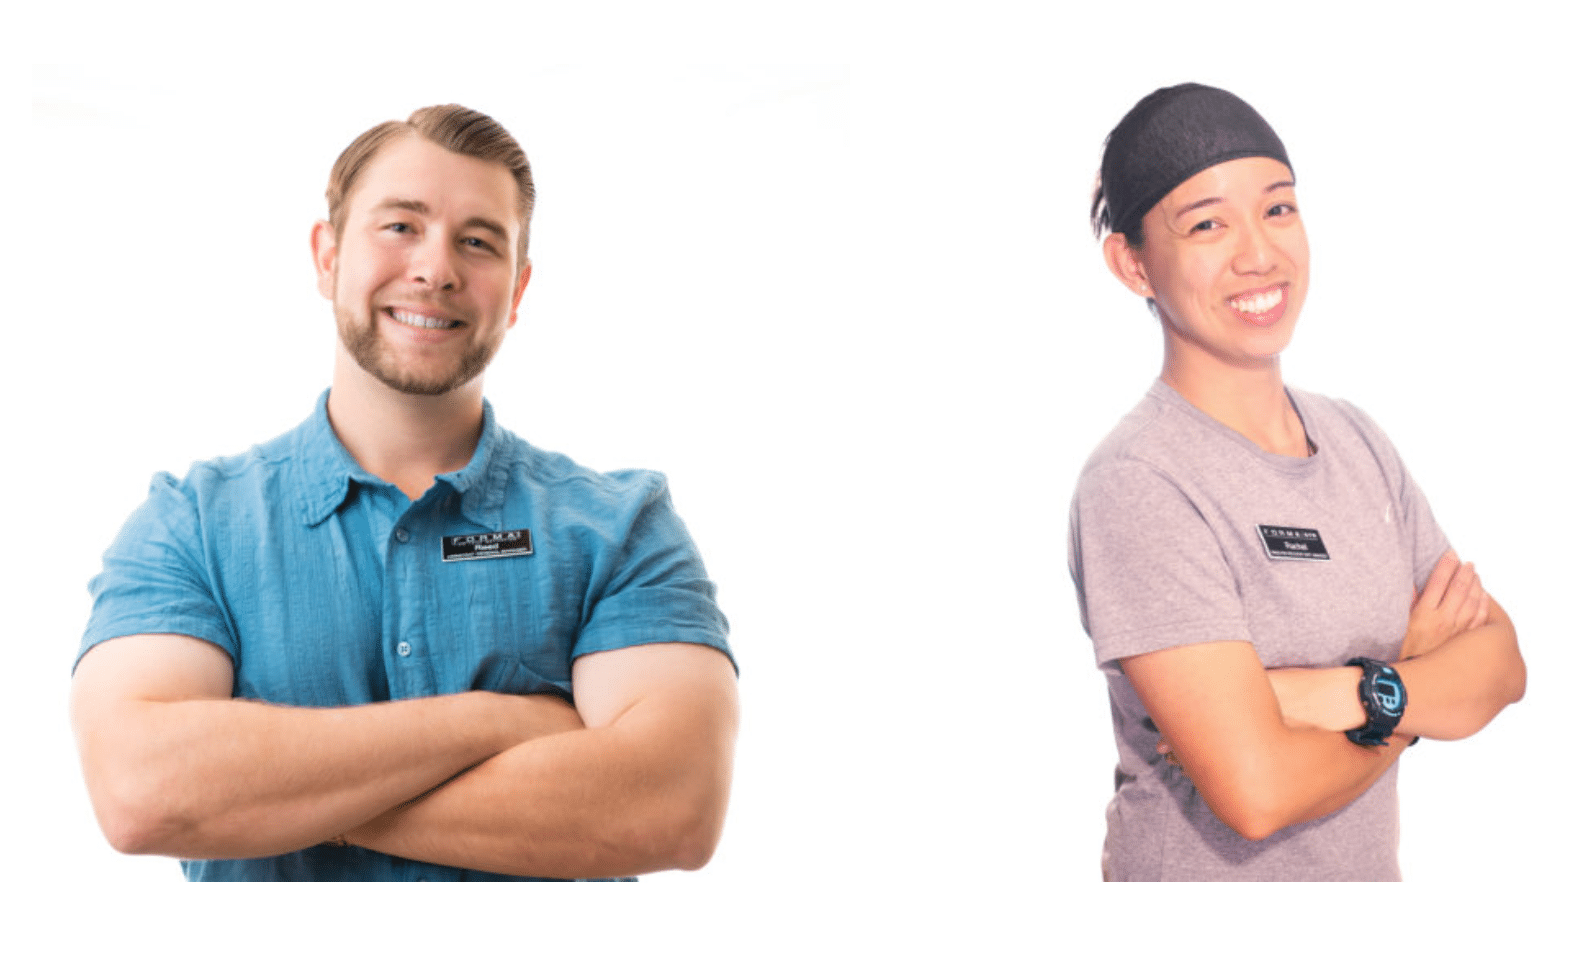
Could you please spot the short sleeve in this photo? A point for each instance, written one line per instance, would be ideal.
(154, 581)
(656, 589)
(1149, 572)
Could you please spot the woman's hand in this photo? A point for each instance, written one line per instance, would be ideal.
(1452, 601)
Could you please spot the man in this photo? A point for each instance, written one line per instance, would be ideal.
(398, 642)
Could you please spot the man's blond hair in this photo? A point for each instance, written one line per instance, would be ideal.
(459, 129)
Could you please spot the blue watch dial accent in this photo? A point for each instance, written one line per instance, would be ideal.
(1387, 689)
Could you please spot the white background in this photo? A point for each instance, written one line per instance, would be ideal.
(830, 268)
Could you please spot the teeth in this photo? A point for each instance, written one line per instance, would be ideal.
(416, 319)
(1261, 303)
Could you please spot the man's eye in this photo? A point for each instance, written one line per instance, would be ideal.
(396, 227)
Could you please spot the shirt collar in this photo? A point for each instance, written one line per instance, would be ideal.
(481, 484)
(329, 473)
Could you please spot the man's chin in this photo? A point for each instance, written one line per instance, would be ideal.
(420, 385)
(366, 348)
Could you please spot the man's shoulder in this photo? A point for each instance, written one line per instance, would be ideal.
(555, 473)
(261, 466)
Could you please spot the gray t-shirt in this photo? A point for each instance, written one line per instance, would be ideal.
(1183, 531)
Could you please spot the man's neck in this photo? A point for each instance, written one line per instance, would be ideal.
(1251, 401)
(406, 439)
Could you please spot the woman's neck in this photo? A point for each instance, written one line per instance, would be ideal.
(1252, 401)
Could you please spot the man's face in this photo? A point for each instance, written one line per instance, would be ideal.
(423, 278)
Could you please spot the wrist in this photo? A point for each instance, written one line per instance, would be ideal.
(1384, 699)
(1344, 708)
(1318, 698)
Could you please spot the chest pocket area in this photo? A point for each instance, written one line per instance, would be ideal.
(511, 638)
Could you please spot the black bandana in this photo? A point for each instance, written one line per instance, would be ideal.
(1171, 135)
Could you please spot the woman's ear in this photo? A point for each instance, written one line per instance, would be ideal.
(1126, 264)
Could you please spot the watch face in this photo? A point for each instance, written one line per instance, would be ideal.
(1388, 693)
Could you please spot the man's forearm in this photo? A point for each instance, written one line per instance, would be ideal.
(214, 778)
(647, 792)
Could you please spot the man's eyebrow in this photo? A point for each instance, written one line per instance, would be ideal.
(420, 208)
(487, 225)
(407, 204)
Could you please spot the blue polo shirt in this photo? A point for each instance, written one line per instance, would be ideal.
(329, 587)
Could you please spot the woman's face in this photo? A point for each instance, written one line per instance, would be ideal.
(1226, 259)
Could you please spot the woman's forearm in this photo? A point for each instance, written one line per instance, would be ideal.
(1457, 688)
(1453, 690)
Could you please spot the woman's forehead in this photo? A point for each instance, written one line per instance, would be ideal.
(1237, 180)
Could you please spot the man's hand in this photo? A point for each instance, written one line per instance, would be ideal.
(1452, 601)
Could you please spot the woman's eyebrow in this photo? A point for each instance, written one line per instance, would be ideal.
(1215, 200)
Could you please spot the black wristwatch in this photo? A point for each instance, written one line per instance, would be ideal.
(1384, 700)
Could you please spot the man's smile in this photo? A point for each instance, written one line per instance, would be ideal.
(421, 320)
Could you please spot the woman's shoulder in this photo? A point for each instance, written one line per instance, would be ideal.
(1142, 435)
(1332, 421)
(1162, 436)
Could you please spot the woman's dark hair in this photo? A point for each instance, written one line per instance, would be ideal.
(1101, 222)
(1169, 136)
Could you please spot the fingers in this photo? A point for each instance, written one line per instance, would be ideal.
(1474, 605)
(1455, 608)
(1453, 598)
(1482, 611)
(1435, 588)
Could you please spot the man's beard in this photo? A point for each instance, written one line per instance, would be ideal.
(363, 340)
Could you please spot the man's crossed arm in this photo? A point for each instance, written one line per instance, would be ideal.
(515, 784)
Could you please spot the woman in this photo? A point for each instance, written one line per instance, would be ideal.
(1277, 612)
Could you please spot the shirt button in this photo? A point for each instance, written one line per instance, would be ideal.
(403, 650)
(401, 534)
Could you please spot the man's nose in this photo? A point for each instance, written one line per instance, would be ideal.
(433, 265)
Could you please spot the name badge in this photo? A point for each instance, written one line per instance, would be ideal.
(493, 544)
(1302, 544)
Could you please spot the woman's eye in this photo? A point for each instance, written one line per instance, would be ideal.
(1206, 225)
(1284, 208)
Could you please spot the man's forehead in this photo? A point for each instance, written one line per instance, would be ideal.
(414, 173)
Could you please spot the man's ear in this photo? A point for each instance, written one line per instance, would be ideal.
(1126, 265)
(520, 288)
(324, 250)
